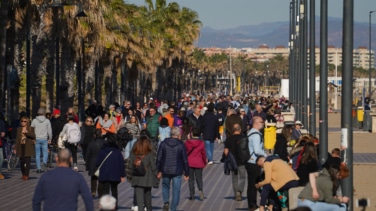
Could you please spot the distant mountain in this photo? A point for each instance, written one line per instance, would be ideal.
(277, 34)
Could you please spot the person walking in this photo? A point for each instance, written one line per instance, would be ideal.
(231, 146)
(112, 171)
(210, 131)
(87, 135)
(172, 163)
(25, 148)
(197, 161)
(152, 123)
(43, 135)
(91, 157)
(256, 148)
(142, 153)
(59, 188)
(106, 125)
(72, 132)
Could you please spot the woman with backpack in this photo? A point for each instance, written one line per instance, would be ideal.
(72, 133)
(143, 159)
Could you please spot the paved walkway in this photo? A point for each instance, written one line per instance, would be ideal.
(17, 194)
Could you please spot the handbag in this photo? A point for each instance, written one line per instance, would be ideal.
(97, 171)
(138, 167)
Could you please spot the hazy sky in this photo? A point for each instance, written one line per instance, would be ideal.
(221, 14)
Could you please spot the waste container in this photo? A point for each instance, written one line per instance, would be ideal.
(270, 136)
(360, 115)
(367, 120)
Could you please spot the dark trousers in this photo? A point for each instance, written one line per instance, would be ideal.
(94, 184)
(253, 174)
(143, 194)
(104, 188)
(73, 149)
(84, 149)
(269, 193)
(25, 165)
(195, 173)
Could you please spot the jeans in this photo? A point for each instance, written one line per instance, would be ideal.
(41, 144)
(322, 206)
(128, 148)
(1, 158)
(268, 193)
(143, 194)
(238, 180)
(253, 173)
(209, 147)
(195, 172)
(176, 184)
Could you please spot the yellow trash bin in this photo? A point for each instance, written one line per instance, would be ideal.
(270, 136)
(360, 114)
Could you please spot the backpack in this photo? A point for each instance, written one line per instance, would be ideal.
(261, 141)
(242, 150)
(73, 133)
(138, 166)
(123, 136)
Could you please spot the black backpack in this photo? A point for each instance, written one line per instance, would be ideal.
(242, 150)
(123, 136)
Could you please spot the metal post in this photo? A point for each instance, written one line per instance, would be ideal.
(291, 46)
(370, 55)
(304, 63)
(312, 64)
(28, 61)
(323, 123)
(346, 108)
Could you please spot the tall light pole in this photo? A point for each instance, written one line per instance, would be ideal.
(370, 54)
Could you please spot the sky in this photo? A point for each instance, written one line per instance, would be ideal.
(224, 14)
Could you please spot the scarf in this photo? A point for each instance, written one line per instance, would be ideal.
(105, 124)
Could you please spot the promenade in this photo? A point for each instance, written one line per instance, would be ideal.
(17, 194)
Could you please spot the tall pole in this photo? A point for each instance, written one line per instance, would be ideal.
(291, 46)
(323, 122)
(304, 63)
(346, 108)
(370, 55)
(312, 65)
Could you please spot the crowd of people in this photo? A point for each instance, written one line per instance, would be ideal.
(166, 142)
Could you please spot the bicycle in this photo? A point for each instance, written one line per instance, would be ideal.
(10, 157)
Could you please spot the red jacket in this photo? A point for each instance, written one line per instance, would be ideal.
(196, 153)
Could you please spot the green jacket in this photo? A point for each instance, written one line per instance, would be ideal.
(324, 187)
(153, 125)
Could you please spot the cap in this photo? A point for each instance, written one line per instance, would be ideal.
(299, 123)
(56, 112)
(241, 110)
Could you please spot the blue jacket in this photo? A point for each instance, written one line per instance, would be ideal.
(59, 190)
(113, 168)
(209, 126)
(229, 163)
(172, 158)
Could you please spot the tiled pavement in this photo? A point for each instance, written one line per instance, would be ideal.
(16, 194)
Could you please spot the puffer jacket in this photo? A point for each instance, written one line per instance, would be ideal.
(172, 158)
(229, 163)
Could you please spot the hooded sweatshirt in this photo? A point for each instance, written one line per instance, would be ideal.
(42, 127)
(196, 153)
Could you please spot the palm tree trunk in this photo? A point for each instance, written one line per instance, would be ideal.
(67, 77)
(3, 38)
(50, 75)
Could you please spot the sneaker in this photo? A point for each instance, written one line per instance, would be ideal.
(238, 196)
(39, 171)
(2, 177)
(166, 206)
(134, 208)
(44, 167)
(210, 163)
(75, 168)
(201, 194)
(191, 198)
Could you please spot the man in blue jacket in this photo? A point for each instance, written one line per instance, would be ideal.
(60, 187)
(210, 131)
(172, 163)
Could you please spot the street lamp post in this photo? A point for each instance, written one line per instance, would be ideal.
(370, 54)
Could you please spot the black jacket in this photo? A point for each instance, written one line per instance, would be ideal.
(91, 155)
(57, 125)
(209, 126)
(87, 134)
